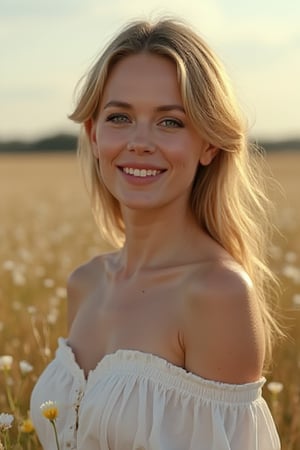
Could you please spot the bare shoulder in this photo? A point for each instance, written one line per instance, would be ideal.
(223, 331)
(80, 282)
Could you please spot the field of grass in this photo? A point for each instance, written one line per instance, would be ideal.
(46, 230)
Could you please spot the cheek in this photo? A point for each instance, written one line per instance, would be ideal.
(185, 156)
(109, 145)
(187, 162)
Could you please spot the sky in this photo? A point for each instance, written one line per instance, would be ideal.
(47, 45)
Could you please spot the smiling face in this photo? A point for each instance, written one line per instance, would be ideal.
(147, 148)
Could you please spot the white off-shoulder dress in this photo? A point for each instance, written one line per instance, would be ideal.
(135, 400)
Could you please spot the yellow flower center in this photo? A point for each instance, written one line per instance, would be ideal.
(50, 413)
(27, 426)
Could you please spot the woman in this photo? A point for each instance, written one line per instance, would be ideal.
(170, 332)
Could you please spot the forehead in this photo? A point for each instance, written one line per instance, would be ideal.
(143, 75)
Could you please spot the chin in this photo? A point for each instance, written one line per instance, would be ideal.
(140, 204)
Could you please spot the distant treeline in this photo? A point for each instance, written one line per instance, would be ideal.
(56, 143)
(68, 143)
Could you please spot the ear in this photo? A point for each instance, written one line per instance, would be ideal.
(90, 129)
(208, 154)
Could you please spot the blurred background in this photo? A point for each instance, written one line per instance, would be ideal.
(46, 227)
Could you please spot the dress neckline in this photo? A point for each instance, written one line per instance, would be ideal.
(150, 364)
(121, 354)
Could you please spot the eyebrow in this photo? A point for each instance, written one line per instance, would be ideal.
(159, 108)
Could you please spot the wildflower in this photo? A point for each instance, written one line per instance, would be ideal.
(291, 257)
(296, 300)
(53, 314)
(25, 367)
(6, 421)
(275, 387)
(292, 272)
(52, 317)
(47, 351)
(8, 265)
(18, 278)
(48, 282)
(49, 410)
(27, 426)
(6, 362)
(61, 292)
(31, 310)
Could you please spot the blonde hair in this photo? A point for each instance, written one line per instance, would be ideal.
(228, 197)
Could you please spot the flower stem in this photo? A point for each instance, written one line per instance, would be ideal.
(29, 443)
(8, 392)
(55, 432)
(6, 440)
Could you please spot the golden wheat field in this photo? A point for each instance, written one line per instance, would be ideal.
(46, 230)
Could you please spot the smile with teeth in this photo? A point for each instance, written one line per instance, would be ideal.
(141, 172)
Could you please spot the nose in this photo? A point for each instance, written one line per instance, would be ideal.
(141, 141)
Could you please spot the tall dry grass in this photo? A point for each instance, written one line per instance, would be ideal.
(46, 230)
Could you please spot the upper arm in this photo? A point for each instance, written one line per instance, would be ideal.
(223, 331)
(79, 285)
(74, 294)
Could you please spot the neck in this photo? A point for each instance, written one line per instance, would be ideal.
(157, 238)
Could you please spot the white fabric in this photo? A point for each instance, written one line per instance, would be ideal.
(135, 400)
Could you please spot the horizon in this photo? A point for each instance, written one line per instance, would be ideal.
(53, 141)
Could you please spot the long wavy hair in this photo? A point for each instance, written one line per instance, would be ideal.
(228, 196)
